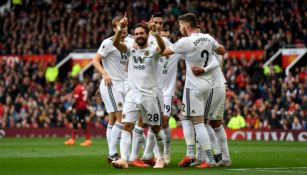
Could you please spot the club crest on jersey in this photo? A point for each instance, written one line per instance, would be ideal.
(146, 53)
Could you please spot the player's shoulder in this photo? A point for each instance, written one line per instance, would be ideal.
(108, 41)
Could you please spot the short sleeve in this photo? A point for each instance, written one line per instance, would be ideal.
(106, 47)
(181, 46)
(214, 43)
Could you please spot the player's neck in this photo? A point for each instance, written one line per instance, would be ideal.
(143, 47)
(122, 39)
(191, 31)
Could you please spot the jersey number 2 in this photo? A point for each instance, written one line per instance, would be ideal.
(202, 54)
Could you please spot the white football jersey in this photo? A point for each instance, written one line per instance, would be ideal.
(197, 50)
(218, 76)
(168, 73)
(167, 69)
(142, 69)
(114, 62)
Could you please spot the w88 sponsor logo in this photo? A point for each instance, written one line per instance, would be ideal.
(139, 67)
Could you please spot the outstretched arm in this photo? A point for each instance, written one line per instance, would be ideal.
(116, 40)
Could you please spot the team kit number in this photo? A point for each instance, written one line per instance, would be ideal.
(153, 118)
(202, 54)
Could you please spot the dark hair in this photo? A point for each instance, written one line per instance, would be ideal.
(189, 18)
(142, 25)
(165, 29)
(115, 20)
(158, 14)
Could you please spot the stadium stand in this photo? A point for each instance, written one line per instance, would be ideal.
(265, 100)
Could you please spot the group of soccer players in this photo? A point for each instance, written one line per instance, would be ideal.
(139, 76)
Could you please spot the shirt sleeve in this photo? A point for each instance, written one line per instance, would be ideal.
(214, 43)
(106, 47)
(181, 46)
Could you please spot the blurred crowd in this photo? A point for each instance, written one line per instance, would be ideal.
(262, 99)
(58, 27)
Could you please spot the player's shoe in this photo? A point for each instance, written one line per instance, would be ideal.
(186, 161)
(159, 164)
(167, 159)
(112, 157)
(86, 143)
(196, 163)
(150, 161)
(205, 165)
(224, 163)
(217, 157)
(69, 142)
(138, 163)
(120, 163)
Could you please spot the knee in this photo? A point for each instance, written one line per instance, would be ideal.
(215, 123)
(197, 119)
(156, 128)
(128, 126)
(165, 121)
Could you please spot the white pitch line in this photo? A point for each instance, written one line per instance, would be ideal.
(273, 170)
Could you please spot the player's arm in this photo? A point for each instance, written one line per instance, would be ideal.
(116, 40)
(210, 67)
(167, 51)
(220, 50)
(98, 66)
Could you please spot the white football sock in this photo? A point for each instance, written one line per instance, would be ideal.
(168, 138)
(213, 140)
(189, 136)
(125, 144)
(137, 136)
(222, 141)
(203, 140)
(115, 134)
(108, 134)
(159, 141)
(150, 143)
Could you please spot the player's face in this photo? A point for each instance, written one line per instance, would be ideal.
(159, 23)
(183, 28)
(124, 31)
(140, 36)
(165, 34)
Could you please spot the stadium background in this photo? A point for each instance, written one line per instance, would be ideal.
(37, 35)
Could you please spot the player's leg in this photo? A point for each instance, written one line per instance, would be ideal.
(151, 113)
(197, 110)
(137, 139)
(74, 120)
(82, 120)
(216, 124)
(125, 143)
(166, 129)
(188, 130)
(107, 95)
(117, 101)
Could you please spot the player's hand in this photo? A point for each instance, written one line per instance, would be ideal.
(197, 70)
(124, 21)
(151, 25)
(108, 81)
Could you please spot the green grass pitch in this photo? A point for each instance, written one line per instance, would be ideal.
(49, 156)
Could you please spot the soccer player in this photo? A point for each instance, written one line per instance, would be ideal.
(197, 51)
(79, 103)
(111, 64)
(215, 112)
(142, 96)
(166, 82)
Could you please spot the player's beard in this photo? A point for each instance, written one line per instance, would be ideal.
(141, 41)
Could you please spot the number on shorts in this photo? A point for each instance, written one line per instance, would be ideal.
(167, 107)
(183, 106)
(153, 118)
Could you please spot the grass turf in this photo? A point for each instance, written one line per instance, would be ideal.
(48, 156)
